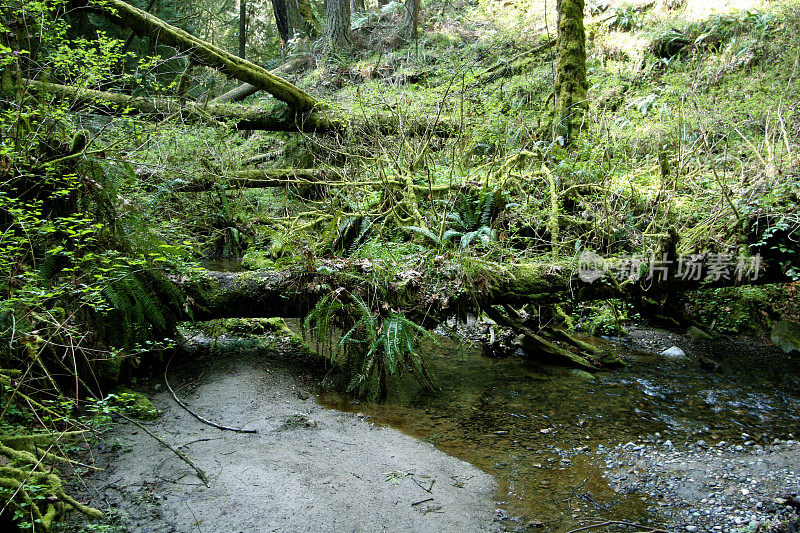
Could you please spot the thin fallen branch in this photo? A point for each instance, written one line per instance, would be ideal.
(197, 416)
(183, 457)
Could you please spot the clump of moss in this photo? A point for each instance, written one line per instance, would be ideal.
(134, 404)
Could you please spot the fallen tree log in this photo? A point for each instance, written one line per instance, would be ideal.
(237, 94)
(279, 117)
(203, 53)
(257, 179)
(426, 298)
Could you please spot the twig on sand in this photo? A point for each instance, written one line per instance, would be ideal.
(180, 454)
(422, 501)
(428, 490)
(197, 416)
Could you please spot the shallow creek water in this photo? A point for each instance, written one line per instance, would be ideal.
(537, 429)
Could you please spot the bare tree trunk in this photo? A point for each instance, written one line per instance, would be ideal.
(570, 84)
(357, 6)
(242, 27)
(291, 19)
(337, 29)
(411, 21)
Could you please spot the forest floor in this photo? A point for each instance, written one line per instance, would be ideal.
(307, 469)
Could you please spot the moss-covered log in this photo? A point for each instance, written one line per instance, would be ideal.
(203, 53)
(424, 297)
(257, 179)
(237, 94)
(279, 117)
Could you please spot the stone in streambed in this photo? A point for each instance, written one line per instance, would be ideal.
(674, 353)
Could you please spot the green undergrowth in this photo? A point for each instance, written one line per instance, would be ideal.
(741, 311)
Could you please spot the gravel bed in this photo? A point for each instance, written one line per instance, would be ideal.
(720, 487)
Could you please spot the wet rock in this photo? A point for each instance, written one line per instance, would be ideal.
(786, 335)
(674, 353)
(698, 334)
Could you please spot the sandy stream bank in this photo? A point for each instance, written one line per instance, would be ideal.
(307, 469)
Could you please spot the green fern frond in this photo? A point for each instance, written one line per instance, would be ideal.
(451, 233)
(48, 267)
(488, 206)
(425, 232)
(366, 226)
(151, 308)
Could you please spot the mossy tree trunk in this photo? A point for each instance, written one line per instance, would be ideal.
(337, 27)
(570, 83)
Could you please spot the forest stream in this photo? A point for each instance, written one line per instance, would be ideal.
(644, 444)
(543, 433)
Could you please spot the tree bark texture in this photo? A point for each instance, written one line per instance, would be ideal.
(411, 19)
(337, 27)
(570, 83)
(242, 28)
(204, 53)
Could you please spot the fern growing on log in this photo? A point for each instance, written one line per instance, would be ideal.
(371, 348)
